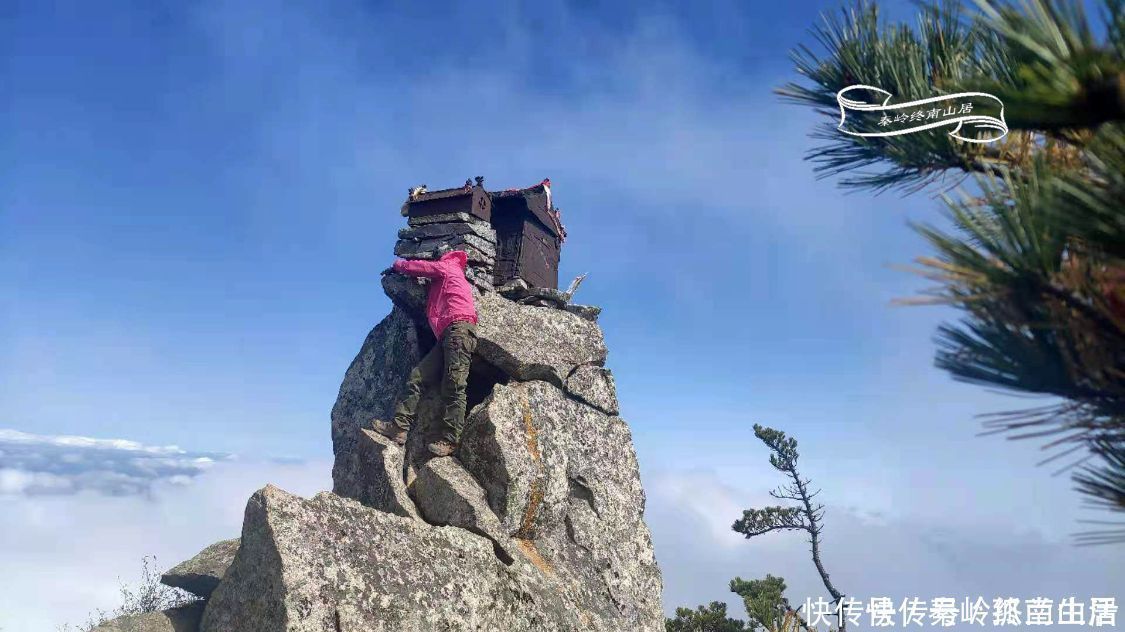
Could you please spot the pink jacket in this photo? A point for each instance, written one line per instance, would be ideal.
(451, 298)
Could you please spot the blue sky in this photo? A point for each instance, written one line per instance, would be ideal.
(197, 198)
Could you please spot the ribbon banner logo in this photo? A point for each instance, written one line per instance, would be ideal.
(976, 117)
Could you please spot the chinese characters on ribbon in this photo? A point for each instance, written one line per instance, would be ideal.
(926, 115)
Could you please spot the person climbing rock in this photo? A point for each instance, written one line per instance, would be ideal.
(453, 317)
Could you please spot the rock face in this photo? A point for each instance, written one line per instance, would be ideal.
(536, 343)
(184, 619)
(595, 386)
(380, 475)
(330, 564)
(535, 523)
(562, 476)
(368, 392)
(450, 496)
(202, 573)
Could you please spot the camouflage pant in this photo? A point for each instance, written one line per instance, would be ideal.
(448, 363)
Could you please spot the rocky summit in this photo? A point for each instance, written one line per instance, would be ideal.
(535, 523)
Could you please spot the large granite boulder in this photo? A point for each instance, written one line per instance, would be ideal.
(450, 496)
(330, 564)
(202, 573)
(562, 476)
(380, 477)
(368, 392)
(536, 343)
(183, 619)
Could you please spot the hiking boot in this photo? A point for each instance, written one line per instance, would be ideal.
(442, 447)
(390, 430)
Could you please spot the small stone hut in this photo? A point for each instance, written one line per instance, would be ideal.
(511, 234)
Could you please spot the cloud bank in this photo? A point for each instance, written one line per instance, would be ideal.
(78, 514)
(32, 465)
(66, 553)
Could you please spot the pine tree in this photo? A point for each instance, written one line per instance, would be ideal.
(764, 598)
(1035, 256)
(765, 601)
(710, 618)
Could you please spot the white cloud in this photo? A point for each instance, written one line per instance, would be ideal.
(65, 555)
(15, 437)
(32, 464)
(698, 494)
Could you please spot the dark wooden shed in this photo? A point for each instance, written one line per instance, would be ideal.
(528, 236)
(465, 199)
